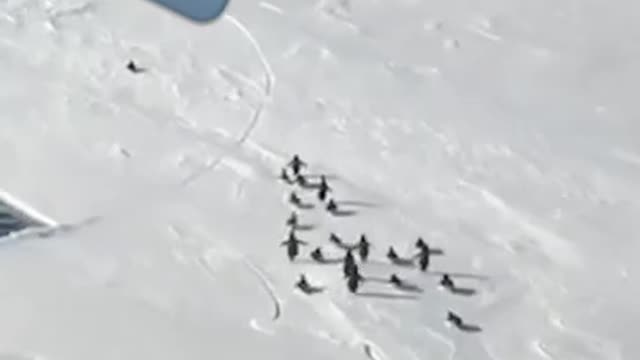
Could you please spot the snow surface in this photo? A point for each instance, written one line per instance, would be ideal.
(503, 132)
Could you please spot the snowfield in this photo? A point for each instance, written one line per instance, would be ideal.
(503, 132)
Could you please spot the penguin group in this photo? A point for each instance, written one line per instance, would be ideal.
(294, 174)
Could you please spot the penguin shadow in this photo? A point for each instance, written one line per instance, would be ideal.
(321, 261)
(356, 203)
(470, 328)
(432, 251)
(386, 296)
(403, 262)
(304, 205)
(343, 213)
(343, 246)
(286, 180)
(318, 176)
(311, 290)
(462, 291)
(310, 186)
(134, 68)
(375, 279)
(408, 287)
(304, 227)
(461, 275)
(403, 286)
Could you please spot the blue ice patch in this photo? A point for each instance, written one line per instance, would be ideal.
(196, 10)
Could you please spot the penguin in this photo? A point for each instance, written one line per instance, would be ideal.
(349, 264)
(332, 206)
(317, 255)
(421, 245)
(395, 280)
(454, 319)
(296, 164)
(131, 66)
(302, 283)
(354, 280)
(284, 176)
(323, 189)
(391, 254)
(446, 282)
(292, 244)
(295, 199)
(301, 180)
(292, 220)
(424, 259)
(363, 248)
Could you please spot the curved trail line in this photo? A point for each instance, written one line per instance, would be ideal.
(270, 80)
(203, 262)
(266, 284)
(253, 323)
(257, 114)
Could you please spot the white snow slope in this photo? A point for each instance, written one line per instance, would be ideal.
(501, 131)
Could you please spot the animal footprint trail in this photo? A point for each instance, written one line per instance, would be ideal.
(267, 286)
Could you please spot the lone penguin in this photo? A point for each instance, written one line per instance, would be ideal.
(131, 66)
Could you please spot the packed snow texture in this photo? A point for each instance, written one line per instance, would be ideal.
(504, 132)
